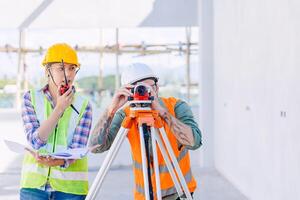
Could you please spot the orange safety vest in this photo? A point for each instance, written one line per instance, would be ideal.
(183, 158)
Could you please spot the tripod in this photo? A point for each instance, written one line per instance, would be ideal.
(146, 119)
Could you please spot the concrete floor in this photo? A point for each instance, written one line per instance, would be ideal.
(211, 186)
(118, 184)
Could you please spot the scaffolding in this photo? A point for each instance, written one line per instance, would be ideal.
(170, 17)
(143, 49)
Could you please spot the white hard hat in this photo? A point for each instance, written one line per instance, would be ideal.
(136, 72)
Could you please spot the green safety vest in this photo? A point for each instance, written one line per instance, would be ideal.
(73, 179)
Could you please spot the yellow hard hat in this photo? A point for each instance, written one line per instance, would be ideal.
(59, 52)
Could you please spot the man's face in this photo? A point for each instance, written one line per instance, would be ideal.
(57, 71)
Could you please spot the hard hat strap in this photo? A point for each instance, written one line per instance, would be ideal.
(63, 65)
(51, 76)
(77, 70)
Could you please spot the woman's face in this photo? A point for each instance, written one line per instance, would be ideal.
(57, 72)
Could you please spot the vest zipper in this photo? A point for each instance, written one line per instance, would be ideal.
(53, 150)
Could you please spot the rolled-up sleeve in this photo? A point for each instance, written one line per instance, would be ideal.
(106, 139)
(184, 113)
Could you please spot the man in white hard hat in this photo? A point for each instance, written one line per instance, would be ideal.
(181, 128)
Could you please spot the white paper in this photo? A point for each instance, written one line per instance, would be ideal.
(16, 147)
(76, 153)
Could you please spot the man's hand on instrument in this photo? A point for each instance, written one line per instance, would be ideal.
(155, 103)
(120, 98)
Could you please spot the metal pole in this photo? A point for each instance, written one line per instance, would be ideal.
(144, 164)
(20, 69)
(206, 81)
(25, 24)
(100, 80)
(156, 165)
(163, 150)
(175, 164)
(188, 53)
(25, 67)
(117, 60)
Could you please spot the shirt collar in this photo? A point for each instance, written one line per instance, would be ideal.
(47, 93)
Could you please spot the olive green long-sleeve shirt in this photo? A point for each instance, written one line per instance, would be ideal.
(183, 113)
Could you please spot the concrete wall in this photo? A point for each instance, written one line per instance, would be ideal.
(253, 65)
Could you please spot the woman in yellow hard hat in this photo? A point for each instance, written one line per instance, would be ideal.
(56, 119)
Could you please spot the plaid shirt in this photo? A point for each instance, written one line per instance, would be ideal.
(31, 124)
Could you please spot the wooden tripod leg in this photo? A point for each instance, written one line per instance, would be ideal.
(156, 168)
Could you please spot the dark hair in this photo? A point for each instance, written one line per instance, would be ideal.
(49, 64)
(151, 78)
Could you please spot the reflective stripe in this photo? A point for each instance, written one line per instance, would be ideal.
(182, 154)
(162, 167)
(139, 189)
(33, 168)
(168, 192)
(188, 178)
(70, 176)
(54, 173)
(38, 101)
